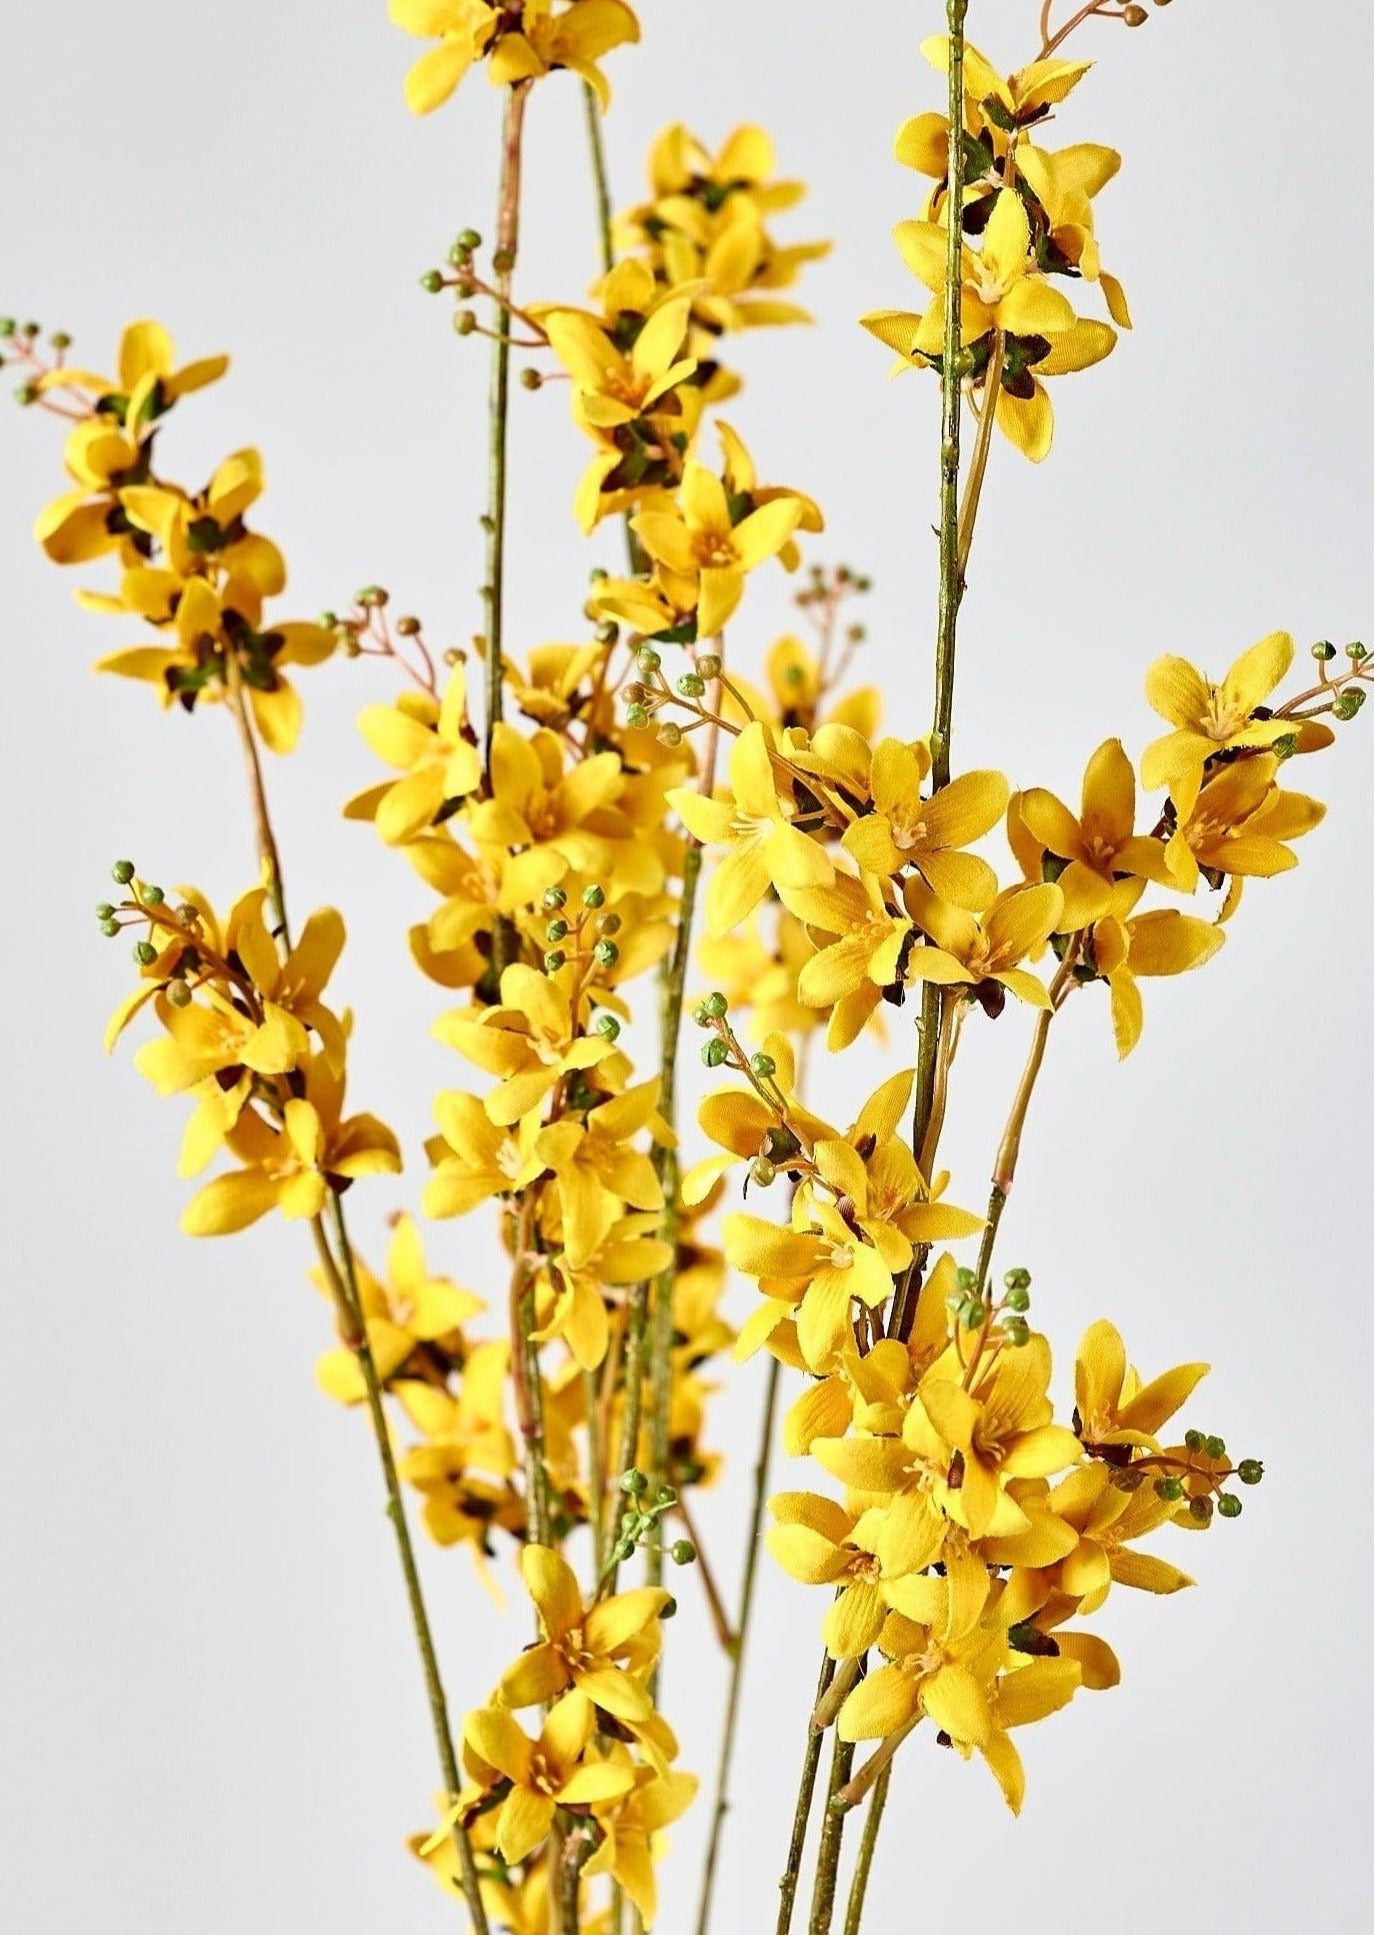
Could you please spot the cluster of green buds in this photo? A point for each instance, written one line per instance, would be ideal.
(641, 1521)
(161, 926)
(1202, 1485)
(969, 1305)
(366, 630)
(1349, 696)
(21, 344)
(650, 694)
(585, 934)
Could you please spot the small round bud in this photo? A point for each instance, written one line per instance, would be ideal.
(464, 321)
(26, 394)
(530, 379)
(109, 928)
(715, 1053)
(670, 734)
(408, 626)
(1017, 1280)
(763, 1172)
(1017, 1332)
(1194, 1440)
(1215, 1447)
(691, 685)
(178, 994)
(1135, 16)
(974, 1314)
(668, 1610)
(468, 239)
(609, 924)
(372, 597)
(700, 1016)
(60, 339)
(606, 954)
(554, 960)
(432, 281)
(648, 660)
(967, 1280)
(1324, 651)
(633, 1483)
(7, 325)
(1229, 1505)
(716, 1005)
(153, 896)
(1346, 704)
(593, 896)
(1250, 1471)
(710, 665)
(123, 872)
(683, 1552)
(1200, 1509)
(636, 717)
(554, 898)
(557, 930)
(1356, 652)
(328, 621)
(1018, 1300)
(104, 910)
(608, 1027)
(763, 1067)
(1170, 1489)
(144, 953)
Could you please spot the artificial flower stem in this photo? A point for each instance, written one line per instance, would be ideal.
(833, 1822)
(268, 854)
(597, 145)
(801, 1818)
(951, 400)
(503, 263)
(858, 1888)
(978, 466)
(341, 1276)
(721, 1804)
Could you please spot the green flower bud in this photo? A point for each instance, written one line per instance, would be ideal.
(1170, 1488)
(1215, 1447)
(7, 325)
(1017, 1280)
(557, 930)
(1346, 704)
(1355, 651)
(966, 1279)
(554, 898)
(715, 1053)
(670, 733)
(554, 960)
(104, 910)
(682, 1552)
(636, 717)
(648, 660)
(1018, 1300)
(668, 1610)
(468, 239)
(716, 1006)
(432, 281)
(464, 321)
(26, 394)
(700, 1016)
(763, 1067)
(144, 953)
(1324, 651)
(763, 1172)
(123, 871)
(974, 1314)
(710, 665)
(606, 954)
(1200, 1509)
(1194, 1440)
(1017, 1332)
(178, 994)
(1250, 1471)
(633, 1483)
(593, 896)
(109, 928)
(691, 685)
(153, 896)
(1229, 1505)
(608, 1027)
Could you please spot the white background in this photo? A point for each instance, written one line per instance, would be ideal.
(210, 1718)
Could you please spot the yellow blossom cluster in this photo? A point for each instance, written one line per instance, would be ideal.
(519, 43)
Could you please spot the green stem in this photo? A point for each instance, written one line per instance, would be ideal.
(746, 1606)
(503, 265)
(596, 143)
(872, 1822)
(832, 1839)
(343, 1278)
(951, 398)
(801, 1818)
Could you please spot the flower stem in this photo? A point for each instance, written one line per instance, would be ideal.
(597, 145)
(341, 1272)
(832, 1838)
(503, 266)
(746, 1604)
(806, 1790)
(951, 399)
(872, 1822)
(266, 838)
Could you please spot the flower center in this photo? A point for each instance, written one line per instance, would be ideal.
(1220, 721)
(715, 550)
(905, 835)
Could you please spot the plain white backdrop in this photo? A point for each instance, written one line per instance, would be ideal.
(210, 1716)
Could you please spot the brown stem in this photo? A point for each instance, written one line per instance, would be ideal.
(859, 1886)
(801, 1817)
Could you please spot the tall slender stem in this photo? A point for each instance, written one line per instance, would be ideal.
(503, 266)
(801, 1818)
(746, 1604)
(341, 1275)
(977, 470)
(832, 1837)
(873, 1820)
(951, 398)
(597, 145)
